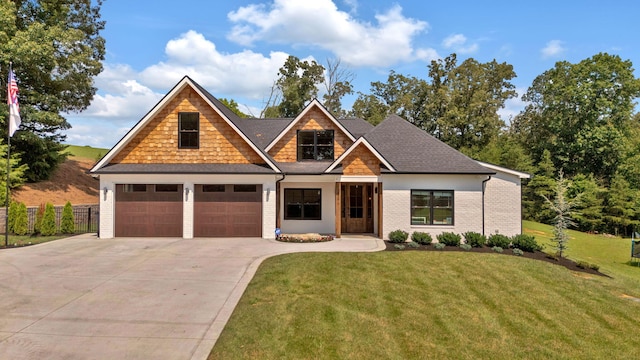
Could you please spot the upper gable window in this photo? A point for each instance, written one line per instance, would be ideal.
(315, 145)
(188, 130)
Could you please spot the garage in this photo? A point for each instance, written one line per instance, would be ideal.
(227, 210)
(148, 210)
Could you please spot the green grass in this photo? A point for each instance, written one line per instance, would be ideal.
(17, 241)
(85, 152)
(415, 305)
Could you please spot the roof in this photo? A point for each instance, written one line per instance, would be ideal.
(356, 126)
(411, 150)
(262, 131)
(184, 169)
(304, 167)
(520, 174)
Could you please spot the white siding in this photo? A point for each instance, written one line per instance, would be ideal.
(503, 205)
(107, 203)
(326, 225)
(396, 202)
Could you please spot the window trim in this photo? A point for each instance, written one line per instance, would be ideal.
(302, 217)
(432, 207)
(181, 131)
(315, 145)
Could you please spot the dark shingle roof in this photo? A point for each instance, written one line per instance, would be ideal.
(262, 131)
(356, 126)
(184, 169)
(225, 110)
(304, 168)
(411, 150)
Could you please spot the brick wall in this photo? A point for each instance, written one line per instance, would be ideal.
(361, 161)
(503, 205)
(158, 141)
(314, 119)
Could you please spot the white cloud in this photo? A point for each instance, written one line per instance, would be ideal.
(554, 48)
(320, 23)
(458, 42)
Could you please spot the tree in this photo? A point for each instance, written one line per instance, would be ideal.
(620, 206)
(21, 222)
(588, 213)
(562, 206)
(337, 84)
(68, 222)
(580, 113)
(48, 225)
(11, 216)
(298, 83)
(16, 173)
(57, 50)
(233, 106)
(538, 189)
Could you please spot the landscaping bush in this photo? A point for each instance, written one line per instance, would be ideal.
(398, 236)
(11, 217)
(475, 239)
(48, 225)
(21, 220)
(422, 237)
(439, 246)
(68, 223)
(449, 239)
(526, 243)
(413, 244)
(39, 215)
(466, 247)
(497, 249)
(517, 252)
(498, 240)
(399, 246)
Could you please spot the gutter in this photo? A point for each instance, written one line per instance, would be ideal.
(484, 185)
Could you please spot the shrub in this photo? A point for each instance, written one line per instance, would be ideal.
(422, 238)
(68, 223)
(48, 226)
(11, 217)
(21, 220)
(498, 240)
(475, 239)
(398, 236)
(466, 247)
(439, 246)
(39, 215)
(517, 252)
(525, 243)
(413, 244)
(449, 238)
(595, 267)
(399, 246)
(497, 249)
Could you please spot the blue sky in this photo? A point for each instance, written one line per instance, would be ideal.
(235, 48)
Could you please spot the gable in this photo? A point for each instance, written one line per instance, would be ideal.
(313, 118)
(361, 161)
(157, 141)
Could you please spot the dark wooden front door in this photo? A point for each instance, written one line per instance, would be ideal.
(227, 210)
(357, 208)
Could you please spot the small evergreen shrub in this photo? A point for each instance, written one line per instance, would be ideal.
(39, 215)
(422, 238)
(21, 220)
(497, 249)
(466, 247)
(398, 236)
(68, 223)
(11, 217)
(48, 226)
(475, 239)
(517, 252)
(413, 244)
(498, 240)
(399, 246)
(582, 264)
(526, 243)
(595, 267)
(439, 246)
(449, 239)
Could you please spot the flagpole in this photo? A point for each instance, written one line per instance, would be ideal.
(6, 209)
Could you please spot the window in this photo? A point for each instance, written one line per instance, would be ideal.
(302, 204)
(431, 207)
(245, 188)
(188, 130)
(134, 187)
(213, 188)
(315, 145)
(166, 187)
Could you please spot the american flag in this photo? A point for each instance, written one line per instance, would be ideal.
(12, 100)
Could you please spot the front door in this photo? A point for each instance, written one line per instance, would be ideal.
(357, 208)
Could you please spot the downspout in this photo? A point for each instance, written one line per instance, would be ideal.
(278, 202)
(484, 186)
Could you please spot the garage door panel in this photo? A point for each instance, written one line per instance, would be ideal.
(148, 214)
(228, 213)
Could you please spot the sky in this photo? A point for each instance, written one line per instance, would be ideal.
(235, 48)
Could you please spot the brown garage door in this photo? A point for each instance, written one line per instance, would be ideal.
(149, 210)
(227, 210)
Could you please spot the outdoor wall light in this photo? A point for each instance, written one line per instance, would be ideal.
(105, 191)
(186, 193)
(268, 193)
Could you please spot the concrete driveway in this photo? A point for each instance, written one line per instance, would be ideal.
(87, 298)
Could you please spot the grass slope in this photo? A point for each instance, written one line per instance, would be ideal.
(415, 305)
(85, 152)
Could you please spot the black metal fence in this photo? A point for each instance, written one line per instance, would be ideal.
(86, 218)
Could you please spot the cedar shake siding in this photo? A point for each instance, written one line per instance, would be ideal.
(286, 149)
(361, 161)
(158, 141)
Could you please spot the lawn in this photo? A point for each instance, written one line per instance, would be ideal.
(85, 152)
(24, 240)
(415, 305)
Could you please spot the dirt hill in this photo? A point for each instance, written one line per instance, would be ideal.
(70, 182)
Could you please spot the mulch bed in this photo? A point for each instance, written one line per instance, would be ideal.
(538, 255)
